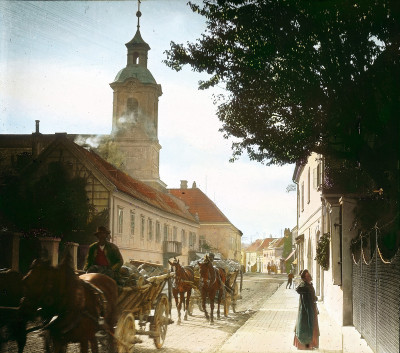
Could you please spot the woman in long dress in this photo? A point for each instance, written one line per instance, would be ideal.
(307, 330)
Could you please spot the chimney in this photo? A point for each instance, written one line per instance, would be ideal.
(184, 184)
(37, 126)
(194, 186)
(36, 145)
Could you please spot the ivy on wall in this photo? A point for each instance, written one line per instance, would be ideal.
(322, 256)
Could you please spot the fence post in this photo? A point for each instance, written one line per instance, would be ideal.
(376, 287)
(361, 283)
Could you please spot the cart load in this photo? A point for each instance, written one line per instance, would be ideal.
(144, 304)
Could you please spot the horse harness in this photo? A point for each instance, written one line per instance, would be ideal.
(216, 276)
(68, 325)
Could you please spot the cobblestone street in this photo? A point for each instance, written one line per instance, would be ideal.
(196, 334)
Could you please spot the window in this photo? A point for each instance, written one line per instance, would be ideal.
(142, 225)
(192, 240)
(132, 109)
(302, 196)
(150, 229)
(158, 232)
(317, 176)
(165, 232)
(183, 238)
(175, 234)
(120, 220)
(202, 241)
(132, 223)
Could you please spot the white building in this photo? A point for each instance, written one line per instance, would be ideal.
(320, 211)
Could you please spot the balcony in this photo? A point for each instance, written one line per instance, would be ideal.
(172, 248)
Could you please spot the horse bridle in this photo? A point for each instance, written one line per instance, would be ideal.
(208, 281)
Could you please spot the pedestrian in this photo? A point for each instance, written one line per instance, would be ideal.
(103, 256)
(307, 330)
(290, 280)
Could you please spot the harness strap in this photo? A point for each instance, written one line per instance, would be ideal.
(99, 294)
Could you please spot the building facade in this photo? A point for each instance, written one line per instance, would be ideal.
(216, 232)
(272, 257)
(146, 224)
(322, 212)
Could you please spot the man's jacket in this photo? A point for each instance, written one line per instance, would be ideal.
(112, 253)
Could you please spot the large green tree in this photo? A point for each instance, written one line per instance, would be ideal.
(54, 203)
(302, 76)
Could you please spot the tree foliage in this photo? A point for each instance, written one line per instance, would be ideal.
(52, 204)
(304, 76)
(287, 249)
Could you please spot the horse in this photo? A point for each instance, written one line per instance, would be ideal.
(180, 287)
(73, 305)
(212, 279)
(12, 320)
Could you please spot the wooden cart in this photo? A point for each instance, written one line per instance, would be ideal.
(144, 310)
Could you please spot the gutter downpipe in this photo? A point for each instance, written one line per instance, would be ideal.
(112, 217)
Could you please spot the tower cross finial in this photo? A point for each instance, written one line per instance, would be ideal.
(138, 14)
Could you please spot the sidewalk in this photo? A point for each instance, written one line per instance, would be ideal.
(271, 329)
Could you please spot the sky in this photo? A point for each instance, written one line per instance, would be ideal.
(57, 59)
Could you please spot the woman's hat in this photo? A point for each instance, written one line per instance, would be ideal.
(102, 230)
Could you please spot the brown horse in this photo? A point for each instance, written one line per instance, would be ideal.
(76, 304)
(11, 317)
(212, 279)
(183, 275)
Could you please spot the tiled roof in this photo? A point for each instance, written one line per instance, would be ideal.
(136, 188)
(277, 243)
(260, 244)
(254, 246)
(200, 204)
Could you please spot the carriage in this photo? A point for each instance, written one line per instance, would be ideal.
(231, 293)
(144, 309)
(233, 290)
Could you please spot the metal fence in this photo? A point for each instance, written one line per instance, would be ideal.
(376, 298)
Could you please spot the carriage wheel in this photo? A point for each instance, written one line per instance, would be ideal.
(161, 321)
(235, 297)
(227, 303)
(125, 333)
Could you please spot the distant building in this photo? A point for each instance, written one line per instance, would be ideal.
(272, 256)
(254, 254)
(216, 232)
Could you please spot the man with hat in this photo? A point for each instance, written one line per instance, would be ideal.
(103, 256)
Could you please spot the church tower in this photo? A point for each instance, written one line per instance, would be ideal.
(135, 114)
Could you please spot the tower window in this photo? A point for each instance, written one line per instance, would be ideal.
(136, 58)
(132, 108)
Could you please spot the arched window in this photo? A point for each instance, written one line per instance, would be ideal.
(132, 109)
(136, 58)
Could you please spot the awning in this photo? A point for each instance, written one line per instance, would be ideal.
(290, 255)
(294, 262)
